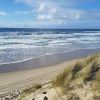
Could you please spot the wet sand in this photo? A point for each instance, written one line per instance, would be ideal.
(47, 60)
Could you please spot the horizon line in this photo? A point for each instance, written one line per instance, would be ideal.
(45, 28)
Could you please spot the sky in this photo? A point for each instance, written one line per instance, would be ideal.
(50, 13)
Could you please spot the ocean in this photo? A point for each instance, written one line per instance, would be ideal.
(18, 44)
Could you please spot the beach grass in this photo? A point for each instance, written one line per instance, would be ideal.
(83, 73)
(78, 81)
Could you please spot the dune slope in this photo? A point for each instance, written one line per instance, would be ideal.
(81, 80)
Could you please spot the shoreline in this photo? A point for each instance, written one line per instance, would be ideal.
(48, 54)
(47, 60)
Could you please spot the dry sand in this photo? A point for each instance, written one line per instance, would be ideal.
(17, 79)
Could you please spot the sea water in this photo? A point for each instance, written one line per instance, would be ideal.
(17, 44)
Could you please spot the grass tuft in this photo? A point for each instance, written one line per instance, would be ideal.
(84, 70)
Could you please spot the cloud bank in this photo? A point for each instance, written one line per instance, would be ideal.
(57, 13)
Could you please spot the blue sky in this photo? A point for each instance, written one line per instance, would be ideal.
(50, 13)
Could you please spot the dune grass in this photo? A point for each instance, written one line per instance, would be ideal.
(83, 71)
(82, 75)
(97, 82)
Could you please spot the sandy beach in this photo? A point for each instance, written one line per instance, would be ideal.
(21, 74)
(20, 79)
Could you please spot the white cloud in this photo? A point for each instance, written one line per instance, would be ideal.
(3, 13)
(59, 21)
(57, 16)
(58, 11)
(52, 10)
(45, 17)
(77, 16)
(49, 18)
(46, 8)
(46, 12)
(42, 7)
